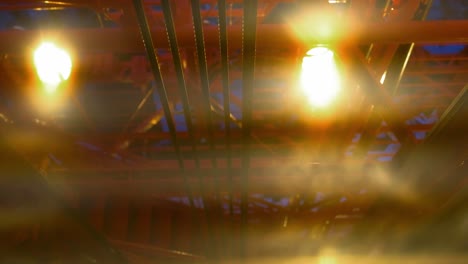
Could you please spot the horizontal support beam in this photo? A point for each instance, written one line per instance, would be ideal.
(424, 70)
(120, 40)
(166, 166)
(155, 252)
(275, 181)
(260, 133)
(170, 183)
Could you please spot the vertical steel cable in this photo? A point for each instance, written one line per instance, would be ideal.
(205, 83)
(153, 59)
(171, 33)
(249, 26)
(224, 50)
(223, 43)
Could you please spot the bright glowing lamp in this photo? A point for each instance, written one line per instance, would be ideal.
(53, 65)
(319, 77)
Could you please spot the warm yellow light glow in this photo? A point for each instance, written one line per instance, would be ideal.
(53, 65)
(327, 260)
(319, 78)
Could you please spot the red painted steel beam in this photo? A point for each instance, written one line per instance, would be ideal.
(262, 133)
(120, 40)
(433, 84)
(114, 3)
(418, 58)
(155, 252)
(32, 210)
(276, 180)
(277, 163)
(174, 186)
(142, 232)
(423, 69)
(118, 226)
(97, 210)
(266, 148)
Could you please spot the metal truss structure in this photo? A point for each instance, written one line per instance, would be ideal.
(183, 136)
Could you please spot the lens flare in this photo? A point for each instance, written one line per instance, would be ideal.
(319, 78)
(53, 65)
